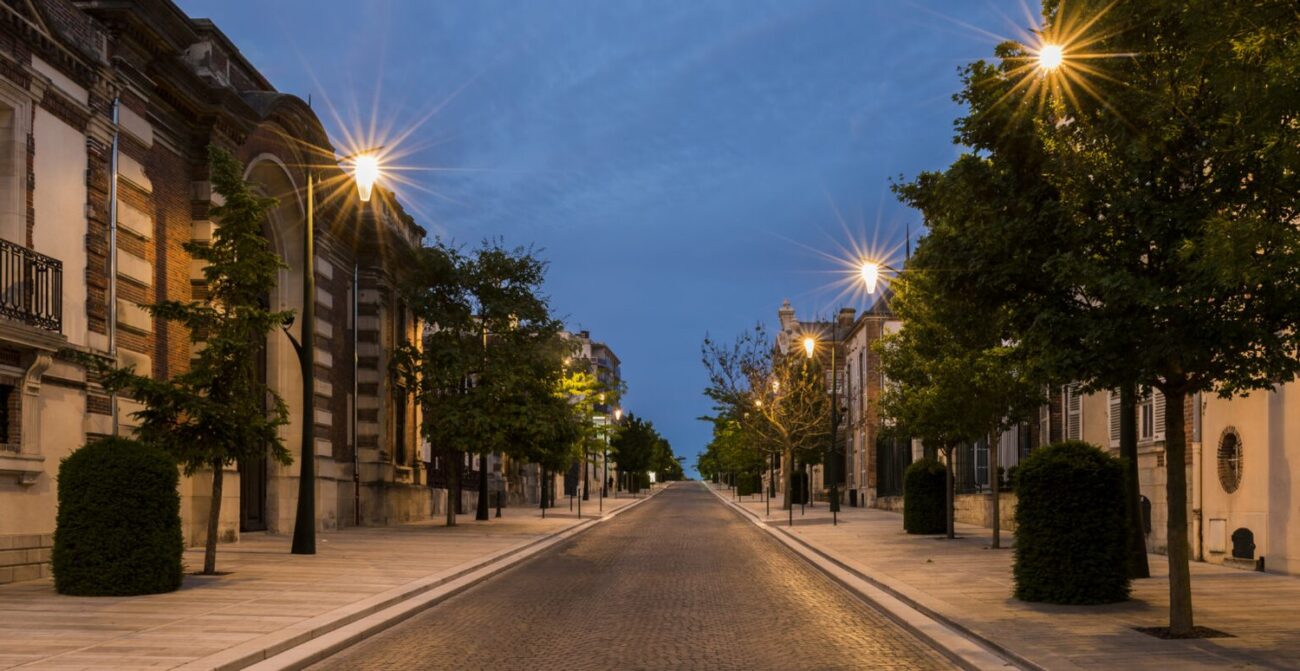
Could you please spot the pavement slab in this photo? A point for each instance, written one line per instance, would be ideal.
(266, 595)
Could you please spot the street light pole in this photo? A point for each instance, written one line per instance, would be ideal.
(304, 526)
(365, 173)
(832, 468)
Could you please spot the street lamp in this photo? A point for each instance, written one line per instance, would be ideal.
(618, 414)
(365, 171)
(1050, 57)
(870, 272)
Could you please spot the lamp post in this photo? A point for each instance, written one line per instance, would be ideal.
(365, 171)
(618, 414)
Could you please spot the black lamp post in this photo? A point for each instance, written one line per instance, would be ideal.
(366, 173)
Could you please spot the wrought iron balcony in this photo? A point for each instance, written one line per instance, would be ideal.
(31, 287)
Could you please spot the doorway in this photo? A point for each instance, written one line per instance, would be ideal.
(252, 474)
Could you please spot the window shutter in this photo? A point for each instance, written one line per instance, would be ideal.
(1074, 412)
(1115, 414)
(1158, 413)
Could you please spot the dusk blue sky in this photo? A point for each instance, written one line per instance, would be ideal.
(684, 165)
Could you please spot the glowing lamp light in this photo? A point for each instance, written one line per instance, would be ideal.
(365, 169)
(808, 346)
(618, 414)
(1050, 57)
(870, 276)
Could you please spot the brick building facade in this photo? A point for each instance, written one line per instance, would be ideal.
(83, 83)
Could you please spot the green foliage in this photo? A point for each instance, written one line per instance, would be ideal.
(490, 359)
(118, 531)
(1070, 526)
(1131, 217)
(748, 483)
(925, 501)
(956, 378)
(638, 446)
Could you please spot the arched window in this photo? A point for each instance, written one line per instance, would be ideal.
(1229, 459)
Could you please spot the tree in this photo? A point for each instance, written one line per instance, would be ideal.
(637, 445)
(218, 411)
(780, 401)
(549, 431)
(587, 394)
(947, 391)
(489, 330)
(666, 464)
(1166, 253)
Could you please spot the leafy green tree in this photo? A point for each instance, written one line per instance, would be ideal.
(587, 395)
(637, 445)
(667, 465)
(218, 411)
(549, 431)
(489, 331)
(990, 384)
(999, 224)
(1157, 245)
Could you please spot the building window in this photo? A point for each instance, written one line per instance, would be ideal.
(1229, 458)
(6, 395)
(15, 115)
(1147, 422)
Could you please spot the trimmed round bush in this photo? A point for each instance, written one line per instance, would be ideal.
(1070, 526)
(925, 502)
(118, 530)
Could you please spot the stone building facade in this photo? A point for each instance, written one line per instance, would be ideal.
(87, 85)
(864, 378)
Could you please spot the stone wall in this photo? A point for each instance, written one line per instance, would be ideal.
(968, 509)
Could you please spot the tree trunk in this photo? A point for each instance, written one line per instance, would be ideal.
(481, 514)
(453, 485)
(1180, 577)
(951, 491)
(541, 489)
(787, 473)
(586, 482)
(995, 480)
(1128, 450)
(214, 519)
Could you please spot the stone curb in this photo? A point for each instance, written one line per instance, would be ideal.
(964, 647)
(311, 641)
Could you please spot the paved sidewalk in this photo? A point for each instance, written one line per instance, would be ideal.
(269, 599)
(965, 584)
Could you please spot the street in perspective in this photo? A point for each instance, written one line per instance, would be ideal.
(605, 334)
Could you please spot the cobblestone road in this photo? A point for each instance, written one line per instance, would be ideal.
(679, 582)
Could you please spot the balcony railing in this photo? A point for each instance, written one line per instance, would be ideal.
(31, 287)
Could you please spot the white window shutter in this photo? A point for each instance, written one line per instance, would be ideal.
(1074, 412)
(1158, 413)
(1116, 412)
